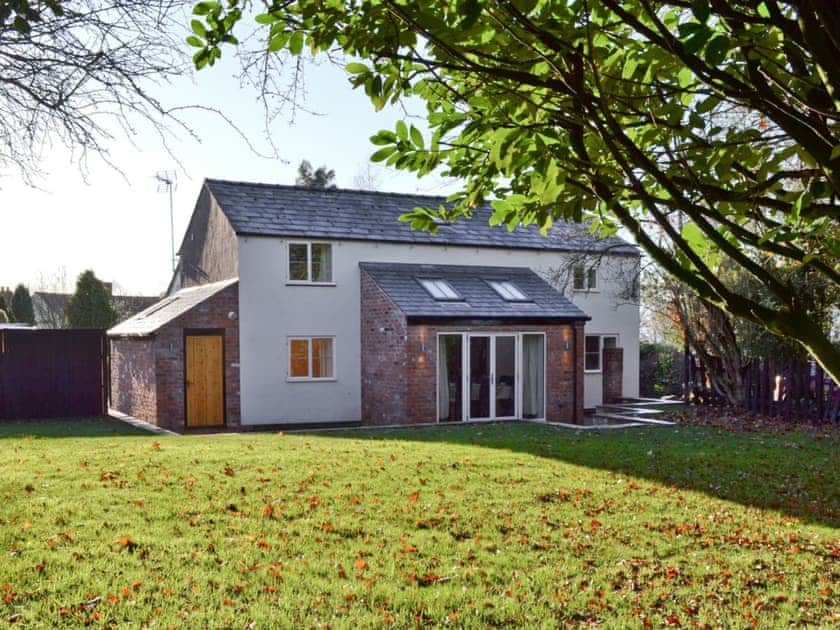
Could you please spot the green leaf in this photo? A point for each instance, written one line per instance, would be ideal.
(417, 137)
(835, 152)
(402, 130)
(192, 40)
(265, 18)
(278, 41)
(629, 68)
(716, 50)
(356, 68)
(198, 28)
(701, 10)
(296, 42)
(763, 11)
(383, 153)
(203, 8)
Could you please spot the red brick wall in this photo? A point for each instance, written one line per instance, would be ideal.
(133, 389)
(384, 359)
(613, 366)
(147, 374)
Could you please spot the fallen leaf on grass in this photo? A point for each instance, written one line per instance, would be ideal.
(125, 542)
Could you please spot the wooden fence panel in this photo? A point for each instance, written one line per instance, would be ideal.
(53, 373)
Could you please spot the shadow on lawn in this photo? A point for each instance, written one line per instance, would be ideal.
(795, 473)
(68, 428)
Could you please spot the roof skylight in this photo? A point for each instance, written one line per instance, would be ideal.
(440, 290)
(157, 307)
(508, 291)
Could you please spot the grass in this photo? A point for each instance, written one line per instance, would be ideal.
(468, 526)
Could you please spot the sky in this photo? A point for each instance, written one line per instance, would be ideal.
(118, 224)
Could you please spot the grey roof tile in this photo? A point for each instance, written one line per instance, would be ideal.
(400, 282)
(164, 311)
(275, 210)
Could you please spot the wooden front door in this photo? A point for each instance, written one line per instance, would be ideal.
(205, 382)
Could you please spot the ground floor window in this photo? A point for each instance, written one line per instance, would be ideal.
(311, 358)
(491, 375)
(593, 348)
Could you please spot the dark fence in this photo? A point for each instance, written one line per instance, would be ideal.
(53, 373)
(788, 389)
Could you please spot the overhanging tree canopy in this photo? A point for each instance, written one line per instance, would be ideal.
(707, 128)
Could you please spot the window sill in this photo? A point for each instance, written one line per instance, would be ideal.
(303, 283)
(586, 290)
(598, 371)
(292, 379)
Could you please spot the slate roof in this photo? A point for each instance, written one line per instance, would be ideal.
(166, 310)
(294, 211)
(400, 282)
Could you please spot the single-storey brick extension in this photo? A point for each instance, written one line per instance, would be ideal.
(295, 306)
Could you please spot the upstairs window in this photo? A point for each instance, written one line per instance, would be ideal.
(440, 290)
(585, 279)
(310, 263)
(508, 291)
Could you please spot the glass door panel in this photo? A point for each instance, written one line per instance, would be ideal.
(504, 376)
(450, 378)
(479, 377)
(533, 376)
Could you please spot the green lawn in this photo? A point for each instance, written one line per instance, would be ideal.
(467, 526)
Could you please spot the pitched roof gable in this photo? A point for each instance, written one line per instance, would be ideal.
(166, 310)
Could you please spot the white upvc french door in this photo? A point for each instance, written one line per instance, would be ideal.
(493, 376)
(490, 376)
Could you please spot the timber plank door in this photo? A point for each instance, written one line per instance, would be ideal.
(205, 380)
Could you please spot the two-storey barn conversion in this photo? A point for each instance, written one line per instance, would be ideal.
(301, 306)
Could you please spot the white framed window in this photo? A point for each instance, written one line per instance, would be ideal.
(440, 289)
(310, 263)
(508, 291)
(311, 358)
(593, 346)
(585, 279)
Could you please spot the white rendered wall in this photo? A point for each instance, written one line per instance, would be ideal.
(271, 311)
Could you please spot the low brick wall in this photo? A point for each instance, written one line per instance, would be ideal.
(133, 389)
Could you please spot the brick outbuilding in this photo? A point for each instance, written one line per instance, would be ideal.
(176, 364)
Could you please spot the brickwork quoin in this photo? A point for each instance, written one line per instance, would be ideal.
(399, 363)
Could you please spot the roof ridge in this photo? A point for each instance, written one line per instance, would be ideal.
(378, 193)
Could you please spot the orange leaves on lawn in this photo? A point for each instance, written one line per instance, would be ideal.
(360, 564)
(125, 542)
(267, 510)
(594, 524)
(229, 471)
(155, 446)
(9, 592)
(414, 496)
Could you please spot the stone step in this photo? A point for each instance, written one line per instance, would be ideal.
(620, 417)
(628, 409)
